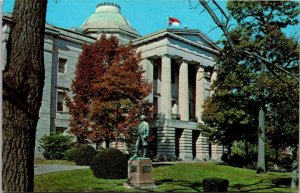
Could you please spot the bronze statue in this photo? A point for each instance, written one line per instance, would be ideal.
(143, 133)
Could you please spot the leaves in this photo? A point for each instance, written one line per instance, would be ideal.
(246, 80)
(260, 16)
(109, 91)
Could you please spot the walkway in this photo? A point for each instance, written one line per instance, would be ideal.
(47, 168)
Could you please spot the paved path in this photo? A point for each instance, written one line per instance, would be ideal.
(47, 168)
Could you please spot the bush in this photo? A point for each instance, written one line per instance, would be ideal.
(238, 156)
(164, 158)
(84, 155)
(70, 154)
(110, 164)
(286, 163)
(55, 146)
(224, 157)
(215, 185)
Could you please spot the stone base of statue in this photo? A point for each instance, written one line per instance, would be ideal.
(140, 174)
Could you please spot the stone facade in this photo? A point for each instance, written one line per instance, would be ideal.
(177, 62)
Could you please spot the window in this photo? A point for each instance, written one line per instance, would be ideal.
(60, 130)
(62, 63)
(173, 74)
(155, 74)
(60, 101)
(208, 79)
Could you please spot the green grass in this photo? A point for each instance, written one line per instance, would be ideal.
(181, 177)
(63, 162)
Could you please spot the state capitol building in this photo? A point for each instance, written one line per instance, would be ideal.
(178, 63)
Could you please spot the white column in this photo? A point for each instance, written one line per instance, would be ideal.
(165, 143)
(166, 93)
(216, 152)
(184, 92)
(185, 145)
(213, 78)
(202, 148)
(200, 93)
(148, 74)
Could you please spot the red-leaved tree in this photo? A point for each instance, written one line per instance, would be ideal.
(109, 92)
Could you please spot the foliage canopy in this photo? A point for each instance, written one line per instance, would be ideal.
(109, 92)
(261, 71)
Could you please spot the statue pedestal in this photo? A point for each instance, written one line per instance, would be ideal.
(140, 173)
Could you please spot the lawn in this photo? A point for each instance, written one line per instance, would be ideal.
(63, 162)
(179, 177)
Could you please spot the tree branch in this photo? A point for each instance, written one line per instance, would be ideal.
(212, 29)
(271, 64)
(279, 77)
(201, 12)
(233, 47)
(219, 7)
(218, 22)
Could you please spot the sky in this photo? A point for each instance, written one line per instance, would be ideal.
(146, 16)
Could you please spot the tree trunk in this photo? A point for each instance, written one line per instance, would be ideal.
(246, 148)
(23, 82)
(117, 134)
(276, 155)
(106, 142)
(261, 162)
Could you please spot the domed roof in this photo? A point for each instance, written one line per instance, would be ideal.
(108, 17)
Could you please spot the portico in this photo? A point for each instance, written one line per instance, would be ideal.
(176, 67)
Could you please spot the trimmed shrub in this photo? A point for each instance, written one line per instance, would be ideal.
(55, 146)
(286, 163)
(70, 154)
(215, 185)
(110, 164)
(164, 158)
(84, 155)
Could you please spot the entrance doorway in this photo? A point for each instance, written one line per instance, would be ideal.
(195, 136)
(178, 133)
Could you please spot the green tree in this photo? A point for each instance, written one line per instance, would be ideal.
(109, 92)
(55, 146)
(23, 81)
(256, 57)
(226, 123)
(283, 119)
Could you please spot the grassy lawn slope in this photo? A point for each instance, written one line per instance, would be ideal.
(180, 177)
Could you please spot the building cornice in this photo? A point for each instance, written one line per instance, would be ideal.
(116, 30)
(59, 32)
(168, 33)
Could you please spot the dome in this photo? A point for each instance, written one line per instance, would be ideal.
(108, 18)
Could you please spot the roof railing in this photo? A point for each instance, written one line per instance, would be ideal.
(108, 3)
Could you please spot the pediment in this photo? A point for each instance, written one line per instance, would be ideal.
(187, 36)
(196, 36)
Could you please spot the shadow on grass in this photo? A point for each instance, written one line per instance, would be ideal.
(187, 186)
(193, 185)
(282, 181)
(161, 164)
(264, 184)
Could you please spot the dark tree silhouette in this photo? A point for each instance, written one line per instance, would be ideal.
(23, 81)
